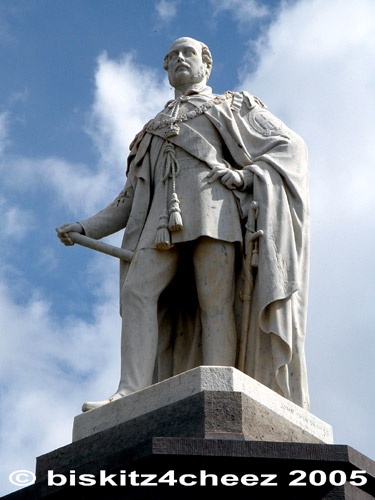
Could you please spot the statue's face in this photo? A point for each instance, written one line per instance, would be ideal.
(185, 65)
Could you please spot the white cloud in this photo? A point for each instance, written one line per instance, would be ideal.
(321, 82)
(5, 32)
(49, 366)
(4, 117)
(46, 371)
(317, 72)
(127, 96)
(16, 222)
(242, 12)
(166, 9)
(74, 186)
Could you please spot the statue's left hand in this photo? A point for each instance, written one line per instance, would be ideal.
(232, 179)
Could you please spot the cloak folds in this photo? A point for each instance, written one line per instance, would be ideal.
(275, 356)
(260, 143)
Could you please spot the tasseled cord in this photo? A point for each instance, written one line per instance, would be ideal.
(169, 220)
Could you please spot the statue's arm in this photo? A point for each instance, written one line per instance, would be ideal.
(111, 219)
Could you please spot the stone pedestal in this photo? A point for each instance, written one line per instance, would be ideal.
(211, 429)
(207, 402)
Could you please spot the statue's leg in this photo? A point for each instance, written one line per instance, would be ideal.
(149, 274)
(214, 264)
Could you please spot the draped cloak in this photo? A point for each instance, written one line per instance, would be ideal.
(257, 142)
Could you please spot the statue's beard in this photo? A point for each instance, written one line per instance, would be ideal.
(199, 77)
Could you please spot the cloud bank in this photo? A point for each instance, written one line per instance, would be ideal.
(316, 71)
(51, 364)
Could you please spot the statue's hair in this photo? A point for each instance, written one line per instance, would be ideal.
(206, 57)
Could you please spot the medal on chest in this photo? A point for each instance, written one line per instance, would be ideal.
(171, 130)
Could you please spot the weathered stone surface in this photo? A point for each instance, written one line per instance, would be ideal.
(259, 414)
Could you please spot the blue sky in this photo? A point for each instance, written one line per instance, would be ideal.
(78, 80)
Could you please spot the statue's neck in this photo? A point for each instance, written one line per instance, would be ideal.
(196, 88)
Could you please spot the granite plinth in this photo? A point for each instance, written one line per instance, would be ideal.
(180, 467)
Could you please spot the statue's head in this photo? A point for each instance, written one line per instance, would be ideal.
(188, 62)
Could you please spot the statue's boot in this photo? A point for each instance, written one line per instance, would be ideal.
(91, 405)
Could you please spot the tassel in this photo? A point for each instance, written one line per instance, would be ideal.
(163, 240)
(175, 219)
(255, 256)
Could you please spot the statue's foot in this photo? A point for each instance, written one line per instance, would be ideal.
(91, 405)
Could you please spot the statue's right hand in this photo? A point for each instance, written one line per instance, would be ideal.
(64, 230)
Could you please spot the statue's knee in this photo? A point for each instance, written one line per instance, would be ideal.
(136, 296)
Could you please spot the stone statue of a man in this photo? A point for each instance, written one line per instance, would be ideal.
(193, 172)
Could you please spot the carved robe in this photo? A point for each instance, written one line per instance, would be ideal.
(237, 130)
